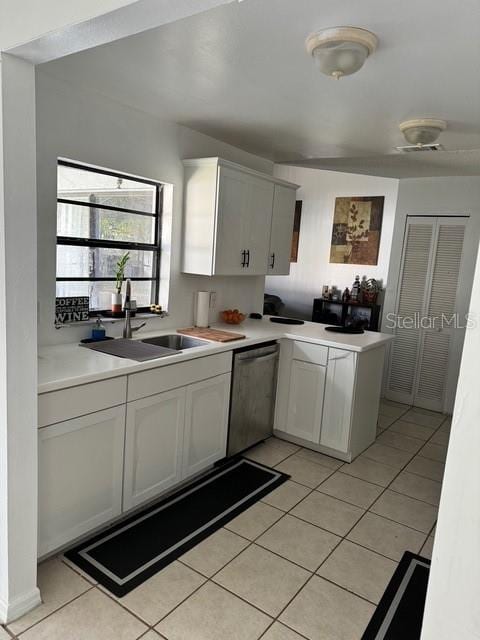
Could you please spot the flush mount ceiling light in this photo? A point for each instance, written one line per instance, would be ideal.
(341, 51)
(422, 131)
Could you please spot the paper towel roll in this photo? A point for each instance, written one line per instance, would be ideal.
(203, 306)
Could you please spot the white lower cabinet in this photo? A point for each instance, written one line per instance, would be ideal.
(328, 398)
(93, 468)
(206, 419)
(80, 476)
(173, 435)
(338, 407)
(305, 400)
(153, 446)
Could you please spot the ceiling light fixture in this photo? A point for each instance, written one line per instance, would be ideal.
(422, 131)
(341, 51)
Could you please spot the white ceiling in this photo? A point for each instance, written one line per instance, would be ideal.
(240, 73)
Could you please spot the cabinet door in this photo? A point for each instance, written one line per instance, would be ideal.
(206, 423)
(244, 210)
(282, 230)
(305, 401)
(337, 411)
(232, 231)
(80, 476)
(153, 446)
(259, 212)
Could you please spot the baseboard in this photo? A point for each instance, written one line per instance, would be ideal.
(333, 453)
(19, 606)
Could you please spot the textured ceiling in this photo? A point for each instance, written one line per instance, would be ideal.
(240, 73)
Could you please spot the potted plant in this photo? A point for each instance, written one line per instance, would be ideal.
(370, 290)
(120, 276)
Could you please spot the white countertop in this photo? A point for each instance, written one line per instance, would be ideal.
(68, 365)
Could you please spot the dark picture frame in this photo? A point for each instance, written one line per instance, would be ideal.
(296, 231)
(356, 231)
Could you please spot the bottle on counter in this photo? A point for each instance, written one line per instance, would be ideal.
(98, 331)
(356, 289)
(346, 295)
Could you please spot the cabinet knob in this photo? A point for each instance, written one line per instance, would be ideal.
(248, 258)
(244, 257)
(272, 264)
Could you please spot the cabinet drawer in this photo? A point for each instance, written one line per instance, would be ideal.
(307, 352)
(147, 383)
(57, 406)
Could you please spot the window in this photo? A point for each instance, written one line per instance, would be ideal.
(100, 216)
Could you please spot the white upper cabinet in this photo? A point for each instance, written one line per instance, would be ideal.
(231, 213)
(281, 232)
(243, 224)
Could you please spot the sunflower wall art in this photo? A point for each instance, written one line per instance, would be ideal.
(357, 225)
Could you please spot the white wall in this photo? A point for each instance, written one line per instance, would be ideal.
(92, 129)
(318, 192)
(452, 610)
(18, 341)
(439, 196)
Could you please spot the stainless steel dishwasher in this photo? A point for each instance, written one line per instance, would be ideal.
(252, 403)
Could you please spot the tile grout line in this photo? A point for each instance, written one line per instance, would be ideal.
(65, 604)
(378, 498)
(340, 540)
(358, 544)
(351, 529)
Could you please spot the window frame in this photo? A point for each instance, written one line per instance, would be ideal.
(155, 248)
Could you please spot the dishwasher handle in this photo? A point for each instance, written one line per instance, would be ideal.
(265, 358)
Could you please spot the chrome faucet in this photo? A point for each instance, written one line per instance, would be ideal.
(127, 327)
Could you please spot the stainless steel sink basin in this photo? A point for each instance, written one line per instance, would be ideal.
(175, 341)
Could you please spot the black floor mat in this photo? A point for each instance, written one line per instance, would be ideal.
(125, 555)
(399, 614)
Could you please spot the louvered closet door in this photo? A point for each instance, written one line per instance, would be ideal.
(436, 339)
(419, 235)
(427, 293)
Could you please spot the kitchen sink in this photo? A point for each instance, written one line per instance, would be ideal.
(175, 341)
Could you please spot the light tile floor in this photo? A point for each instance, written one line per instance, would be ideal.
(310, 561)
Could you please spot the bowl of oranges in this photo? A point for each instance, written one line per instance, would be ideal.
(232, 316)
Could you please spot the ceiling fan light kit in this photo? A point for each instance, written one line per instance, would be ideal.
(341, 51)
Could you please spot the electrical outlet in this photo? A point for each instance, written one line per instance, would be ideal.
(213, 299)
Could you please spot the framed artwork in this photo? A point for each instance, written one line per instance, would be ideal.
(357, 226)
(296, 231)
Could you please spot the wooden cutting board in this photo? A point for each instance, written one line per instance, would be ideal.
(211, 334)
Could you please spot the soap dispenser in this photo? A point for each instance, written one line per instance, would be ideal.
(98, 331)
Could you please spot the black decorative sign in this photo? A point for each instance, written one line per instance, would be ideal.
(73, 309)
